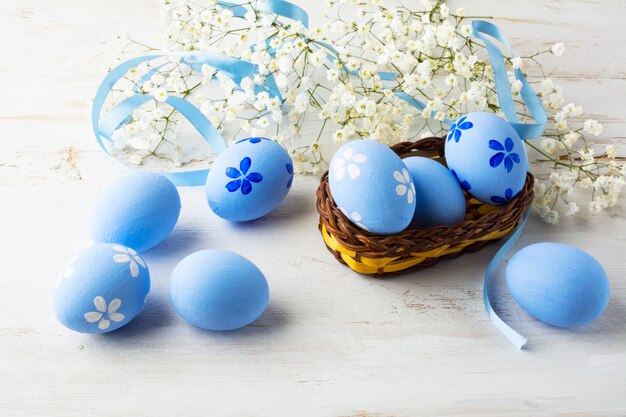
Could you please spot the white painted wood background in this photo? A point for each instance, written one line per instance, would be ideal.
(331, 343)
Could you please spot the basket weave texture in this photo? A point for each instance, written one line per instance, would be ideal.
(380, 255)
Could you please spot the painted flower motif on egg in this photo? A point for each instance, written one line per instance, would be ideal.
(348, 162)
(456, 130)
(372, 187)
(487, 157)
(243, 179)
(101, 289)
(405, 186)
(105, 314)
(504, 153)
(249, 179)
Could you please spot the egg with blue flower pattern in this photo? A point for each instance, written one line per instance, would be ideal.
(487, 156)
(558, 284)
(138, 210)
(101, 289)
(249, 179)
(372, 187)
(218, 290)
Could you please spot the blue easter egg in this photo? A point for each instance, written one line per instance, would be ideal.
(138, 210)
(558, 284)
(101, 289)
(439, 199)
(372, 187)
(487, 156)
(218, 290)
(249, 179)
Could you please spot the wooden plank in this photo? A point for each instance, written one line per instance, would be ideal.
(331, 343)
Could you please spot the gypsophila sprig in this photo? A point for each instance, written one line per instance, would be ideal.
(351, 78)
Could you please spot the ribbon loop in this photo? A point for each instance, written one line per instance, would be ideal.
(503, 89)
(236, 69)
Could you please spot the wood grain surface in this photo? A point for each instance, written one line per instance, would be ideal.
(331, 343)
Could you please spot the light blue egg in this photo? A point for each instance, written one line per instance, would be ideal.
(218, 290)
(249, 179)
(439, 199)
(138, 210)
(558, 284)
(372, 187)
(101, 289)
(487, 156)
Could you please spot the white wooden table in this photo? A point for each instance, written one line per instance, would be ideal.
(331, 343)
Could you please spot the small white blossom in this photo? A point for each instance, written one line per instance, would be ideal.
(558, 49)
(516, 62)
(571, 208)
(160, 95)
(593, 127)
(595, 207)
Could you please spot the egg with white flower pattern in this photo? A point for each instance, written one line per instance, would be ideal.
(487, 156)
(101, 289)
(138, 210)
(372, 187)
(249, 179)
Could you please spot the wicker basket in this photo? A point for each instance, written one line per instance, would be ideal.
(379, 255)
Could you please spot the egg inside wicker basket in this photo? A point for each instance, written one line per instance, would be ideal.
(380, 255)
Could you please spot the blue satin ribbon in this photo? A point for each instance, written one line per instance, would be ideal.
(237, 69)
(505, 97)
(514, 337)
(524, 130)
(278, 7)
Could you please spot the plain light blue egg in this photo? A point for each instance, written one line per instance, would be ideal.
(101, 289)
(218, 290)
(439, 199)
(249, 179)
(372, 187)
(487, 156)
(138, 210)
(558, 284)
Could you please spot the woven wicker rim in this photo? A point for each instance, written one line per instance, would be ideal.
(407, 242)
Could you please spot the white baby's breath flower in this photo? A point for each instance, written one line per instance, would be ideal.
(379, 50)
(570, 138)
(339, 137)
(587, 154)
(451, 80)
(139, 143)
(558, 49)
(549, 145)
(595, 207)
(610, 151)
(593, 127)
(551, 217)
(516, 62)
(466, 30)
(160, 95)
(135, 159)
(561, 126)
(571, 208)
